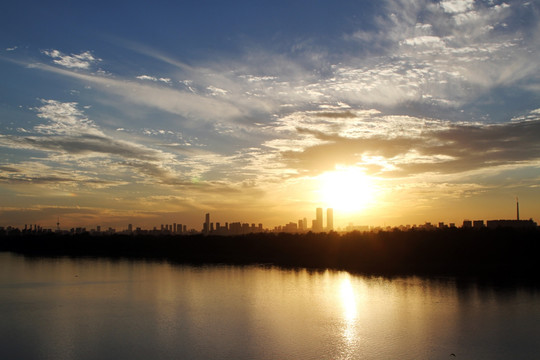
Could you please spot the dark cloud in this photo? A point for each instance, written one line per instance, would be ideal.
(454, 149)
(165, 176)
(474, 147)
(336, 115)
(84, 144)
(344, 151)
(52, 179)
(162, 174)
(9, 169)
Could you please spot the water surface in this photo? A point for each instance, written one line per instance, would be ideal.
(104, 309)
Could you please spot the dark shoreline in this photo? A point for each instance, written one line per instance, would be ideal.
(498, 255)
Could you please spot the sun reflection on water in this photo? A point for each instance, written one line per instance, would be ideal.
(348, 300)
(350, 315)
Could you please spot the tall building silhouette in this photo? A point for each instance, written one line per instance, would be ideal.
(206, 226)
(329, 219)
(317, 225)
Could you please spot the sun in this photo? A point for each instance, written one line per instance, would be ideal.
(346, 189)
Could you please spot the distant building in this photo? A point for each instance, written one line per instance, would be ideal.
(467, 224)
(361, 228)
(516, 224)
(329, 219)
(206, 225)
(314, 226)
(318, 220)
(235, 228)
(290, 228)
(478, 224)
(427, 226)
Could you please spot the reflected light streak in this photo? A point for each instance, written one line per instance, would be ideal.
(350, 313)
(348, 300)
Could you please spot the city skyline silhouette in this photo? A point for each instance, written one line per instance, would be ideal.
(389, 113)
(318, 225)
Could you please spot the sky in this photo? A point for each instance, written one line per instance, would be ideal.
(391, 112)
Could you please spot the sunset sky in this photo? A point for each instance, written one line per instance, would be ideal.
(391, 112)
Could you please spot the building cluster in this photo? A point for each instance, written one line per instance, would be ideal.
(164, 229)
(238, 228)
(233, 228)
(494, 224)
(301, 226)
(317, 224)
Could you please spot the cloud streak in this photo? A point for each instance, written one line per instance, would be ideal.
(72, 138)
(188, 105)
(74, 61)
(404, 146)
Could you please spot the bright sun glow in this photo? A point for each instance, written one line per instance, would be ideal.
(347, 189)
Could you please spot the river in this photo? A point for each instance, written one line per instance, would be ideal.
(61, 308)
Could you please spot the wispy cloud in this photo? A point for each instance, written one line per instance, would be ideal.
(446, 54)
(153, 78)
(69, 137)
(406, 146)
(457, 6)
(36, 173)
(443, 55)
(175, 101)
(74, 61)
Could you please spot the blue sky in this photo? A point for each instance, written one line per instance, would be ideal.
(118, 112)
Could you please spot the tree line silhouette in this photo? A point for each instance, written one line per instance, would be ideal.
(503, 252)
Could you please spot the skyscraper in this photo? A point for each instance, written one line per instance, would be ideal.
(206, 227)
(329, 219)
(318, 220)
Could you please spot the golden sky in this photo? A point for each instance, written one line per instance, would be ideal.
(389, 112)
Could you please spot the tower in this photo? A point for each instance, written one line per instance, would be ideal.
(517, 208)
(206, 228)
(318, 220)
(329, 219)
(58, 224)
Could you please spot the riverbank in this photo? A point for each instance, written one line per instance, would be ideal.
(457, 252)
